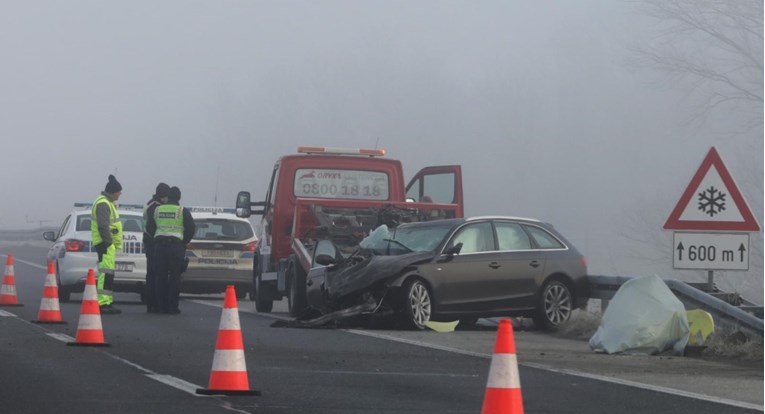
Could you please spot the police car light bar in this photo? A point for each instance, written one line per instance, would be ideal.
(121, 206)
(342, 151)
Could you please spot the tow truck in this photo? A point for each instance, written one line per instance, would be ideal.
(339, 194)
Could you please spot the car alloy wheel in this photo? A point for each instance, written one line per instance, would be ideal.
(556, 305)
(418, 306)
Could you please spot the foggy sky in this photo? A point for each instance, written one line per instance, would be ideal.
(539, 102)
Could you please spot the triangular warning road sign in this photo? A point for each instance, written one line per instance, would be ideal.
(712, 201)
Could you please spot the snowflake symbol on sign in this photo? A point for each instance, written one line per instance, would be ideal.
(712, 201)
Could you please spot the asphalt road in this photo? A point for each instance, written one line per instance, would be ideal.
(156, 362)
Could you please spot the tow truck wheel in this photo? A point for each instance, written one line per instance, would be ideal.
(262, 304)
(251, 290)
(418, 305)
(297, 294)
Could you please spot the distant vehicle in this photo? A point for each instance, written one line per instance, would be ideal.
(452, 269)
(335, 178)
(220, 253)
(73, 253)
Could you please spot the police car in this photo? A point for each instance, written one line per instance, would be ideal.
(221, 252)
(73, 253)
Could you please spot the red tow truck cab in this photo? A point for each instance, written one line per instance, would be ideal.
(335, 178)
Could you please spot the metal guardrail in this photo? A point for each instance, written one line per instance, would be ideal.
(24, 235)
(724, 314)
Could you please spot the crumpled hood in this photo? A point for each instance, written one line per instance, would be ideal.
(346, 279)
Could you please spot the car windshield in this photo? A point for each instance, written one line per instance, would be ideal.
(222, 229)
(130, 222)
(404, 239)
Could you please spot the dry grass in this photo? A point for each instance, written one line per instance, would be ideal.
(729, 345)
(582, 325)
(734, 346)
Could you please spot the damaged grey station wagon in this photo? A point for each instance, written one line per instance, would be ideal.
(449, 269)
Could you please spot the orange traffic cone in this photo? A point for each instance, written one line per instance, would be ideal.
(8, 295)
(229, 371)
(89, 329)
(503, 389)
(50, 312)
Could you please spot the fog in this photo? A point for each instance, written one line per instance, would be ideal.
(550, 108)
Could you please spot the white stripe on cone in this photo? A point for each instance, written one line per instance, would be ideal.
(229, 319)
(503, 372)
(229, 360)
(8, 290)
(90, 292)
(49, 304)
(9, 270)
(90, 322)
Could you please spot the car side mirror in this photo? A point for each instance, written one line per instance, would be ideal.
(243, 205)
(453, 250)
(325, 260)
(49, 235)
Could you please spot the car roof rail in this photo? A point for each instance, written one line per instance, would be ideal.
(119, 206)
(213, 210)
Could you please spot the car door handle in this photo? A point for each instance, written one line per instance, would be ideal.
(534, 263)
(494, 265)
(309, 282)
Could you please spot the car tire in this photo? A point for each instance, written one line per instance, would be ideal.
(556, 303)
(64, 293)
(253, 286)
(262, 304)
(241, 294)
(296, 299)
(417, 304)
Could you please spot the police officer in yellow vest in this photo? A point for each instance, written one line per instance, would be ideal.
(106, 231)
(172, 228)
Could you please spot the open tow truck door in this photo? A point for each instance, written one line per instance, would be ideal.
(440, 184)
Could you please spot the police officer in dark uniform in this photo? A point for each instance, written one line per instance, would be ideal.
(159, 197)
(172, 229)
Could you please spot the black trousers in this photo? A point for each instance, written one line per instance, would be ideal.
(151, 277)
(169, 266)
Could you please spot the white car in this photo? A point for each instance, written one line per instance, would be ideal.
(220, 254)
(73, 253)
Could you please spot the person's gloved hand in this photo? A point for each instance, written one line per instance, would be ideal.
(100, 248)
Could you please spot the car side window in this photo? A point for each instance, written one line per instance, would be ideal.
(475, 238)
(544, 239)
(64, 227)
(512, 237)
(83, 223)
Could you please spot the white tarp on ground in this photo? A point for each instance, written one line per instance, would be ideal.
(644, 317)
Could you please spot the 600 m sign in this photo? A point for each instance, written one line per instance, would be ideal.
(711, 251)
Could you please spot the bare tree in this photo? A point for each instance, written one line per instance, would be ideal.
(713, 49)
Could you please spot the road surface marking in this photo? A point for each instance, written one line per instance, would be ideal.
(649, 387)
(61, 337)
(635, 384)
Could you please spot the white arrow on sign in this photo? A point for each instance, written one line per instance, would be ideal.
(711, 251)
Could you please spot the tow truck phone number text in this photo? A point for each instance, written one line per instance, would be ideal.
(343, 190)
